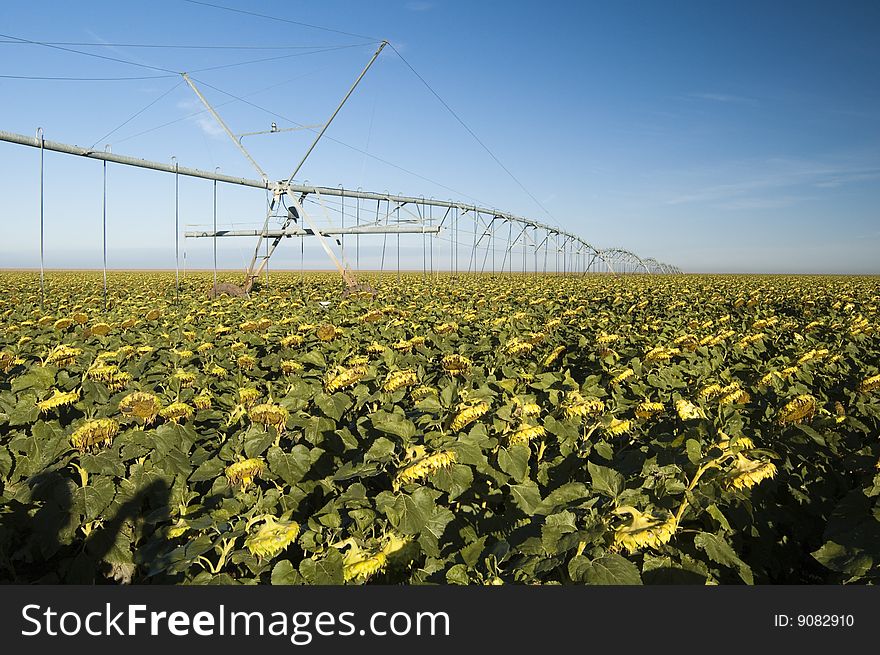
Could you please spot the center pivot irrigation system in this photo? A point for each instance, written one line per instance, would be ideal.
(401, 215)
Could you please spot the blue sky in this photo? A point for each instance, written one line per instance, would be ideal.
(740, 137)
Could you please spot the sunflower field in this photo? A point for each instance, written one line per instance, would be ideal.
(462, 430)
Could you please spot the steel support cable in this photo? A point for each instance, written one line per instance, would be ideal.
(471, 132)
(91, 54)
(295, 54)
(135, 115)
(47, 78)
(279, 19)
(177, 46)
(156, 77)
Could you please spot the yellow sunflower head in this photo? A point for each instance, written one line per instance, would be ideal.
(58, 399)
(687, 410)
(272, 537)
(94, 433)
(142, 405)
(642, 530)
(467, 414)
(243, 472)
(798, 409)
(748, 472)
(269, 414)
(176, 412)
(399, 379)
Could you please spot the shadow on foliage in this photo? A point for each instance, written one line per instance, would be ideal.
(44, 540)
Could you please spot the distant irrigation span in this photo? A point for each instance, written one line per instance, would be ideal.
(456, 236)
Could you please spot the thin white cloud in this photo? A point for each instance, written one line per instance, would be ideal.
(209, 126)
(848, 179)
(770, 183)
(204, 121)
(725, 97)
(770, 202)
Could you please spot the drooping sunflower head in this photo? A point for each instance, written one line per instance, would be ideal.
(63, 355)
(620, 377)
(516, 347)
(424, 467)
(526, 433)
(292, 340)
(58, 399)
(839, 412)
(202, 400)
(469, 413)
(403, 346)
(604, 338)
(272, 537)
(420, 393)
(185, 379)
(748, 472)
(217, 371)
(101, 372)
(726, 442)
(290, 367)
(732, 394)
(456, 364)
(687, 411)
(618, 427)
(347, 377)
(870, 384)
(798, 409)
(554, 355)
(710, 391)
(658, 354)
(648, 409)
(176, 412)
(399, 379)
(358, 360)
(269, 414)
(247, 396)
(94, 434)
(577, 406)
(243, 472)
(246, 362)
(142, 405)
(101, 329)
(642, 530)
(360, 564)
(7, 361)
(526, 409)
(372, 316)
(119, 381)
(375, 348)
(328, 332)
